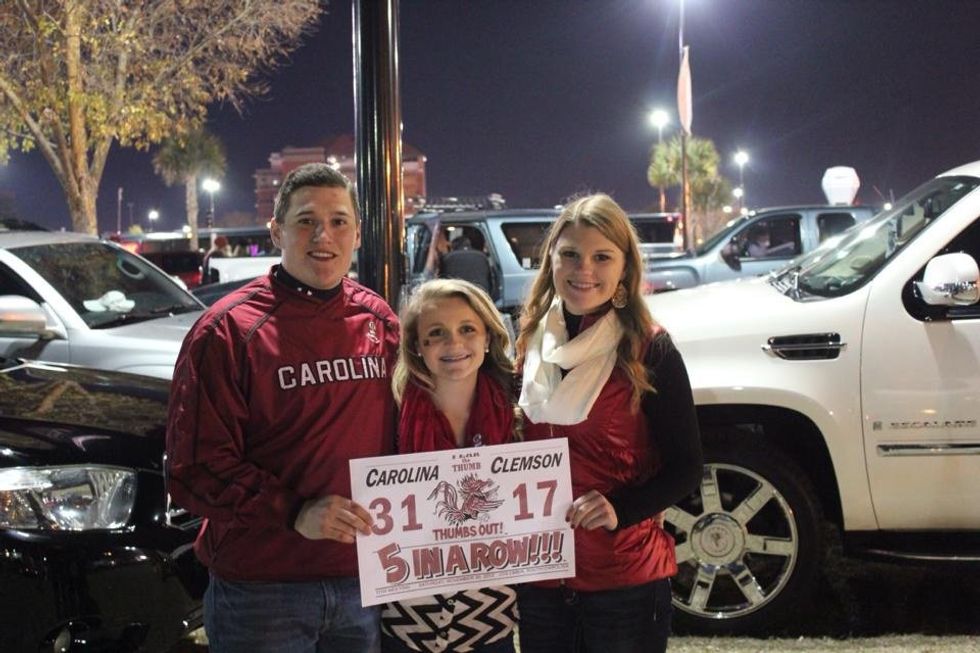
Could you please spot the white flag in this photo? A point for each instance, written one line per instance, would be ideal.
(684, 93)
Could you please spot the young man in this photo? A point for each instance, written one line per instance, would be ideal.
(276, 388)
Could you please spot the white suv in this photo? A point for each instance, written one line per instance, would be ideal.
(844, 387)
(71, 298)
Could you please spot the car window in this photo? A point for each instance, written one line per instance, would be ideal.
(722, 235)
(831, 224)
(862, 252)
(244, 243)
(175, 262)
(654, 230)
(774, 237)
(106, 285)
(525, 239)
(12, 284)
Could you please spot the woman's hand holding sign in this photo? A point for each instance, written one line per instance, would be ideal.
(592, 511)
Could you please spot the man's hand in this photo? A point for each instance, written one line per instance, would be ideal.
(592, 511)
(332, 518)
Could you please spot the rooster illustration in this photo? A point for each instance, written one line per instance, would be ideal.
(478, 498)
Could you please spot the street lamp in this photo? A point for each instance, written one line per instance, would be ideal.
(153, 215)
(741, 158)
(211, 186)
(659, 119)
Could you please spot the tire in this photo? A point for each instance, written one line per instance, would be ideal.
(749, 541)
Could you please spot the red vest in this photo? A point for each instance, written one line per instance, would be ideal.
(611, 451)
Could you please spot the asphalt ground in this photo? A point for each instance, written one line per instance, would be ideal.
(861, 606)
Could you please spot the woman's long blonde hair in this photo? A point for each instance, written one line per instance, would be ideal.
(600, 212)
(410, 365)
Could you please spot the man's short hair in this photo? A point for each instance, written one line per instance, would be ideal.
(311, 174)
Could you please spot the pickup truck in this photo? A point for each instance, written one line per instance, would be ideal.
(843, 388)
(753, 244)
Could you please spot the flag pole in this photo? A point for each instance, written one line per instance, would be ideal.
(684, 113)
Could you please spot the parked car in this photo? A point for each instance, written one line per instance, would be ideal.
(209, 293)
(511, 239)
(753, 244)
(91, 557)
(71, 298)
(842, 388)
(657, 234)
(185, 266)
(251, 253)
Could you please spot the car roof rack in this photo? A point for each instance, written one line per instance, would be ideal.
(493, 201)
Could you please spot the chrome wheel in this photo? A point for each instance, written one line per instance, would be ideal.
(738, 544)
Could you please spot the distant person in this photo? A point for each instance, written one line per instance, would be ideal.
(453, 382)
(276, 388)
(220, 248)
(758, 245)
(438, 247)
(465, 262)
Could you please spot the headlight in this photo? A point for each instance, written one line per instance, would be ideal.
(76, 498)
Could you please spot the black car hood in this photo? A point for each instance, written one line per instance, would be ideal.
(60, 414)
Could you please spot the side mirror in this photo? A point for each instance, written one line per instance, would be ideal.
(20, 316)
(950, 280)
(729, 254)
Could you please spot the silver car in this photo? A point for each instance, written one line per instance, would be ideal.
(72, 298)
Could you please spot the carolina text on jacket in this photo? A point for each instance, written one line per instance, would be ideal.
(332, 370)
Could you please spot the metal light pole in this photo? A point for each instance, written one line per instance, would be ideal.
(659, 119)
(210, 186)
(378, 145)
(153, 215)
(741, 158)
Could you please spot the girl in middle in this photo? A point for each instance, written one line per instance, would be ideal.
(452, 382)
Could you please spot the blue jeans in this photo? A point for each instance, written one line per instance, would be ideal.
(311, 617)
(625, 620)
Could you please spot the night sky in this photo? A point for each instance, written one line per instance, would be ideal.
(539, 99)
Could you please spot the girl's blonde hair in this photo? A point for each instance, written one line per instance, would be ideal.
(600, 212)
(410, 365)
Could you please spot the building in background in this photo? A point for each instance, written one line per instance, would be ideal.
(338, 152)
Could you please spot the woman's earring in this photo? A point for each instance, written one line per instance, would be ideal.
(620, 297)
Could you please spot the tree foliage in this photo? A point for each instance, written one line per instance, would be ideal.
(186, 159)
(77, 76)
(710, 190)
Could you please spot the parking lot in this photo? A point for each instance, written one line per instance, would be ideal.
(863, 607)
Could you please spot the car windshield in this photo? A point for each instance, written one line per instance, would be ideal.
(106, 285)
(837, 268)
(724, 234)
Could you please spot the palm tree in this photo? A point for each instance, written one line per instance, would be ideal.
(185, 159)
(709, 189)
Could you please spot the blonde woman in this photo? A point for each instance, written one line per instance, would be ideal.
(596, 370)
(452, 382)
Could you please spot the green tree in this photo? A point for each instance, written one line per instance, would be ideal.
(185, 159)
(77, 76)
(709, 189)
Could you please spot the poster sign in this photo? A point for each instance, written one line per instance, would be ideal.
(445, 521)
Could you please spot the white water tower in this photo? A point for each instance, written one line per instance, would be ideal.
(840, 185)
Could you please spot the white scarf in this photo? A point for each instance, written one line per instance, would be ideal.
(546, 397)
